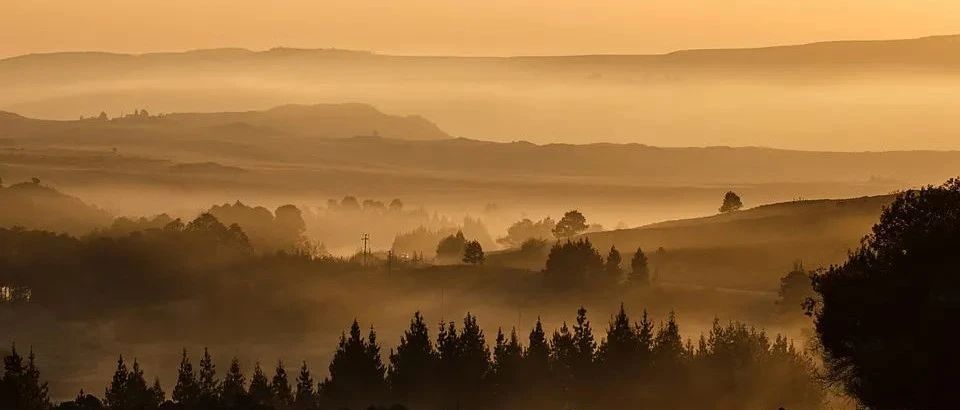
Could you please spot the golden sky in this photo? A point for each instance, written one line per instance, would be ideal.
(460, 27)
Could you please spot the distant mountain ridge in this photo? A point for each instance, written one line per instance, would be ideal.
(922, 50)
(319, 120)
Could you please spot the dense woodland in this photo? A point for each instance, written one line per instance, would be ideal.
(733, 366)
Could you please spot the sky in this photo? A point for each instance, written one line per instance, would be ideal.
(460, 27)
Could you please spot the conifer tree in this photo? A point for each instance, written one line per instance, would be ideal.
(639, 269)
(305, 396)
(585, 346)
(668, 347)
(280, 386)
(563, 353)
(507, 362)
(208, 384)
(537, 356)
(413, 364)
(612, 269)
(116, 395)
(232, 389)
(620, 351)
(138, 395)
(156, 393)
(260, 392)
(356, 371)
(187, 390)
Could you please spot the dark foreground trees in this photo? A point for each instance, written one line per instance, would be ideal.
(636, 364)
(884, 318)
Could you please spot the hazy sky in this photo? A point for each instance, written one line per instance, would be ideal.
(463, 27)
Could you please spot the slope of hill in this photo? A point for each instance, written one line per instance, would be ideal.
(854, 95)
(34, 206)
(749, 249)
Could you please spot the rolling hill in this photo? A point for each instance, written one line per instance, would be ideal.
(748, 249)
(846, 95)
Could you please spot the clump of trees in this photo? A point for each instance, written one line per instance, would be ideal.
(526, 229)
(280, 230)
(633, 364)
(577, 264)
(885, 316)
(731, 202)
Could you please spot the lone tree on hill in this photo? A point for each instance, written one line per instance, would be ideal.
(731, 202)
(884, 317)
(473, 253)
(572, 223)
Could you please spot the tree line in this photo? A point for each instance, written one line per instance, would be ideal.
(635, 363)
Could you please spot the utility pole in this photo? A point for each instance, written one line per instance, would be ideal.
(365, 238)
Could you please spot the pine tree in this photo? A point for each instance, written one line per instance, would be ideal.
(614, 274)
(507, 362)
(280, 386)
(208, 384)
(563, 353)
(537, 356)
(619, 353)
(232, 389)
(585, 345)
(116, 395)
(306, 397)
(413, 364)
(157, 396)
(20, 386)
(639, 270)
(260, 392)
(668, 347)
(356, 370)
(186, 392)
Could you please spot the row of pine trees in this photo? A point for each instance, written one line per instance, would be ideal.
(636, 362)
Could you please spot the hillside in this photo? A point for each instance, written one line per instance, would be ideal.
(847, 95)
(749, 249)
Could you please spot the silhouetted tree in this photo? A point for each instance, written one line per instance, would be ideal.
(639, 271)
(356, 371)
(207, 383)
(507, 366)
(537, 356)
(233, 388)
(619, 354)
(885, 316)
(414, 363)
(731, 202)
(116, 395)
(572, 223)
(187, 390)
(306, 398)
(473, 253)
(261, 394)
(584, 346)
(612, 266)
(280, 388)
(572, 264)
(668, 348)
(20, 386)
(795, 288)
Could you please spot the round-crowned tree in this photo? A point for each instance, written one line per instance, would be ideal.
(885, 317)
(731, 202)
